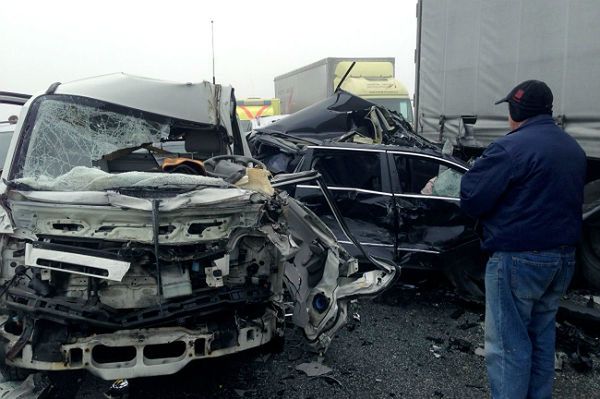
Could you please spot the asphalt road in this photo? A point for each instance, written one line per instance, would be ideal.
(411, 343)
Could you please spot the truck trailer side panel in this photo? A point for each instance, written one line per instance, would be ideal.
(470, 53)
(314, 80)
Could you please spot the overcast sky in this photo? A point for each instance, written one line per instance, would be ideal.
(42, 42)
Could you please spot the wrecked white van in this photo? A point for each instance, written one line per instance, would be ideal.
(136, 235)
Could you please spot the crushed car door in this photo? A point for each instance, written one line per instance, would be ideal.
(322, 277)
(430, 222)
(359, 182)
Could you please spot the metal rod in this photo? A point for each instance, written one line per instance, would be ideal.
(155, 231)
(212, 37)
(345, 76)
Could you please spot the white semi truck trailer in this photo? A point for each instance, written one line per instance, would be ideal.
(470, 53)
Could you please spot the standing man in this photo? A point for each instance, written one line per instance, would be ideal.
(526, 190)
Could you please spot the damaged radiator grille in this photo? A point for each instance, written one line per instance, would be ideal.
(73, 268)
(203, 303)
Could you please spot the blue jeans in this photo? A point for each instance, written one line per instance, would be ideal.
(523, 291)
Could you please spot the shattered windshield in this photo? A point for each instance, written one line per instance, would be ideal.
(72, 131)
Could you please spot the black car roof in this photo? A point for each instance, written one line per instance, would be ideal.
(387, 147)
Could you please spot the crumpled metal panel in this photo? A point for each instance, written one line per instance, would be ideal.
(322, 278)
(187, 101)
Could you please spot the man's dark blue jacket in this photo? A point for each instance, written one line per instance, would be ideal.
(527, 189)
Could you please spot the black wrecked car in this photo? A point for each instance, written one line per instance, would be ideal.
(398, 192)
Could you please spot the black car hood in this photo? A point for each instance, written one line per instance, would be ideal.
(328, 118)
(342, 117)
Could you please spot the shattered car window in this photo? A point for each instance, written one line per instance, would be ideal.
(427, 177)
(447, 184)
(70, 132)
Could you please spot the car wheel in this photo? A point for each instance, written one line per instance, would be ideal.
(469, 280)
(589, 256)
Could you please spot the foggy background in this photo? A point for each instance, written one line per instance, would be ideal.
(44, 42)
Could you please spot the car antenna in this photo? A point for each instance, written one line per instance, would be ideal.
(212, 38)
(345, 76)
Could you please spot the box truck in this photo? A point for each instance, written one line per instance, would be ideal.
(371, 78)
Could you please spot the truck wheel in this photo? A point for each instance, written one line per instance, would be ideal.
(589, 256)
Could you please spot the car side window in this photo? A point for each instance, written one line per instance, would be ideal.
(427, 176)
(354, 169)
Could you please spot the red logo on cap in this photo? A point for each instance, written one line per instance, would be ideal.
(517, 96)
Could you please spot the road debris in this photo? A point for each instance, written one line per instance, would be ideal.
(559, 360)
(329, 379)
(118, 389)
(35, 386)
(436, 351)
(467, 325)
(244, 393)
(457, 314)
(581, 363)
(401, 335)
(577, 346)
(435, 340)
(313, 369)
(461, 344)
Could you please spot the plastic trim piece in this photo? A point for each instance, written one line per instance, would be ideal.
(109, 269)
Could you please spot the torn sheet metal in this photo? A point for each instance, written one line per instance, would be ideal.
(321, 295)
(314, 369)
(336, 116)
(342, 117)
(185, 101)
(82, 178)
(208, 196)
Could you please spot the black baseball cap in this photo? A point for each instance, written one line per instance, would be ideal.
(528, 99)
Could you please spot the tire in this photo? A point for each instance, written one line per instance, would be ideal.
(589, 256)
(465, 269)
(468, 279)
